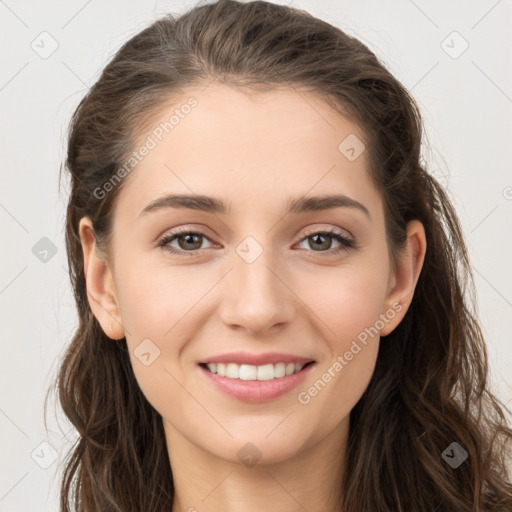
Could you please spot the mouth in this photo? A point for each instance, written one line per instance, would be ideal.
(249, 372)
(256, 383)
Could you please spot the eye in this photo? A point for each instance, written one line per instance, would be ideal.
(188, 241)
(323, 240)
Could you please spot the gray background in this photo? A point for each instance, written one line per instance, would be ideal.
(465, 99)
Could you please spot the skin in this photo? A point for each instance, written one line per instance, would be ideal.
(294, 298)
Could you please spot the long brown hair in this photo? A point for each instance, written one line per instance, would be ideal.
(430, 386)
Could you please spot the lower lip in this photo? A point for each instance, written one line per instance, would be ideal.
(256, 391)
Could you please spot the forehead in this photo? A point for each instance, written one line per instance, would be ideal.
(255, 146)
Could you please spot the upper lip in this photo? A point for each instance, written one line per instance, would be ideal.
(256, 359)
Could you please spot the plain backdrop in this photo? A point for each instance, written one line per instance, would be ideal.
(455, 58)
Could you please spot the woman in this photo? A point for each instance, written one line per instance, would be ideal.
(228, 356)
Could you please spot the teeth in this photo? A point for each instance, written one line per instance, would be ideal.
(232, 371)
(279, 370)
(247, 372)
(251, 372)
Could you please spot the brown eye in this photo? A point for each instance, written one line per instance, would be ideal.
(188, 241)
(321, 241)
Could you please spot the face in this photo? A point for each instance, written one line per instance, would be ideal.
(255, 280)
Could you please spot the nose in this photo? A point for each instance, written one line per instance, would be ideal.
(257, 297)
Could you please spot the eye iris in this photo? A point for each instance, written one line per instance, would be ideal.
(187, 237)
(329, 241)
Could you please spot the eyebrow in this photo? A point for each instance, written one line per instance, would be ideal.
(218, 206)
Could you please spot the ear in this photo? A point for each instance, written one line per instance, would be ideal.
(101, 292)
(402, 282)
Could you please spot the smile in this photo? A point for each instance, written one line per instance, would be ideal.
(250, 372)
(256, 384)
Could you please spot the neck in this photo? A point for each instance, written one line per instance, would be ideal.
(309, 480)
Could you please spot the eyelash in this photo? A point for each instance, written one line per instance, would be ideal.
(346, 243)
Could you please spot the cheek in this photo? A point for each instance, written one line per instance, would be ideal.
(347, 305)
(159, 308)
(352, 343)
(345, 301)
(154, 300)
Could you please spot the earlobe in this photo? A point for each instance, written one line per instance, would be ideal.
(407, 273)
(101, 292)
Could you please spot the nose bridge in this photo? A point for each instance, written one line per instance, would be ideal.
(257, 298)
